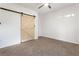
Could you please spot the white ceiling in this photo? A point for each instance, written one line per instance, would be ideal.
(34, 6)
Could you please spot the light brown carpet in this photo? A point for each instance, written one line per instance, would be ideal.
(42, 47)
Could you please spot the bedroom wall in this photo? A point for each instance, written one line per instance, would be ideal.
(62, 24)
(9, 28)
(40, 24)
(16, 20)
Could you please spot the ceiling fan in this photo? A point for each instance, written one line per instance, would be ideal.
(45, 4)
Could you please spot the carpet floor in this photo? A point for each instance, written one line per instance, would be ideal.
(42, 47)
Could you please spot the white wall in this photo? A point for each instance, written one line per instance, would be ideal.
(62, 24)
(9, 28)
(13, 20)
(40, 19)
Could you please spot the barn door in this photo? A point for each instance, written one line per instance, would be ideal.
(28, 27)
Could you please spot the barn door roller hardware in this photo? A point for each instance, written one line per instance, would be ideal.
(15, 11)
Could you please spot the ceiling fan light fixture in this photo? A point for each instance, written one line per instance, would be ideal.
(46, 4)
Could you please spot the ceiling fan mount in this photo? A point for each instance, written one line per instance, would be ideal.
(45, 4)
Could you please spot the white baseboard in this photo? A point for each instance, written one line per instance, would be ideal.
(62, 39)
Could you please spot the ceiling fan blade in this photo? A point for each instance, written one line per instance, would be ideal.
(49, 6)
(40, 6)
